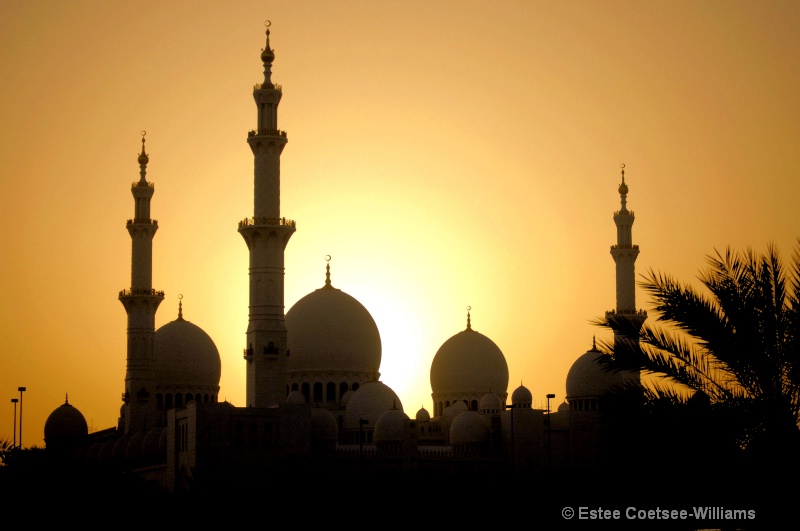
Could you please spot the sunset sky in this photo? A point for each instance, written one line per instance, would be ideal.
(445, 154)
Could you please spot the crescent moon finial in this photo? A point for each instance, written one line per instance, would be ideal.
(327, 258)
(143, 133)
(267, 23)
(180, 296)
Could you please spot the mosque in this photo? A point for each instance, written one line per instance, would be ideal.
(316, 407)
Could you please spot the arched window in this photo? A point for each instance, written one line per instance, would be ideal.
(307, 391)
(330, 392)
(317, 392)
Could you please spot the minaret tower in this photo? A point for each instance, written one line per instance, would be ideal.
(266, 235)
(141, 302)
(625, 254)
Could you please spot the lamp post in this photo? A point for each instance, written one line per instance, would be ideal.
(549, 457)
(20, 389)
(14, 401)
(513, 449)
(361, 423)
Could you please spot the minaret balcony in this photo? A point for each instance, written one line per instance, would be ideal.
(615, 247)
(136, 184)
(259, 86)
(148, 292)
(249, 222)
(627, 313)
(267, 132)
(145, 221)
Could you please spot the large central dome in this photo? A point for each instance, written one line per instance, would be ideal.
(330, 331)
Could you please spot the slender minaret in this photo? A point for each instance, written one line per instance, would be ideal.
(266, 235)
(625, 254)
(141, 302)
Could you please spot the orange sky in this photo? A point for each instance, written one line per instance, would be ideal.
(445, 154)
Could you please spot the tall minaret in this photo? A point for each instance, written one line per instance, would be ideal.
(266, 235)
(141, 302)
(624, 254)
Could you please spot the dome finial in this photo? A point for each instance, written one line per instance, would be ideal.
(180, 307)
(623, 190)
(143, 160)
(328, 284)
(66, 398)
(469, 324)
(594, 343)
(267, 56)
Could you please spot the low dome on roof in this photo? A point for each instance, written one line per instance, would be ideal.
(468, 428)
(368, 403)
(423, 414)
(521, 397)
(65, 426)
(185, 356)
(296, 397)
(323, 425)
(490, 402)
(391, 426)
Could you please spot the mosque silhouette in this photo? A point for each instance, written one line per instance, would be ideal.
(315, 404)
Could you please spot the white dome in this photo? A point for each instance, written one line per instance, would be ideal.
(185, 356)
(588, 379)
(323, 425)
(330, 331)
(368, 403)
(65, 426)
(467, 428)
(423, 414)
(469, 363)
(391, 426)
(490, 402)
(295, 397)
(521, 397)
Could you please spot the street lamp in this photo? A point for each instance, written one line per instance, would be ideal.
(14, 401)
(549, 455)
(20, 389)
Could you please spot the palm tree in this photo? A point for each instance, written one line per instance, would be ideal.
(735, 348)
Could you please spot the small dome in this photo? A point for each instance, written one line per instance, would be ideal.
(323, 425)
(330, 331)
(391, 426)
(423, 414)
(134, 448)
(490, 402)
(588, 379)
(346, 397)
(468, 428)
(521, 397)
(563, 406)
(469, 362)
(459, 406)
(370, 402)
(154, 444)
(295, 397)
(185, 356)
(65, 426)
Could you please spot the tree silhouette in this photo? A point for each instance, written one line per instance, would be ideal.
(725, 363)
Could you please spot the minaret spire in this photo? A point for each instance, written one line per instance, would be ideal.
(266, 235)
(141, 302)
